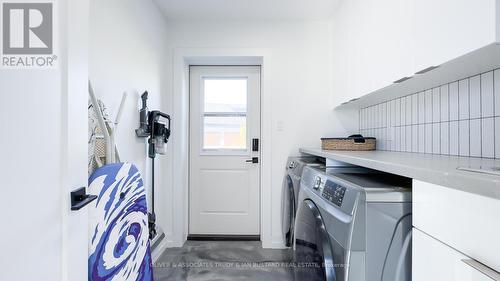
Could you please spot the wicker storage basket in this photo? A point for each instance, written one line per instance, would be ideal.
(353, 143)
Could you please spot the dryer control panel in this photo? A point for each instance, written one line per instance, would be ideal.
(333, 192)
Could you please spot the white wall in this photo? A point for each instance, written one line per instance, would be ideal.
(299, 82)
(43, 121)
(127, 54)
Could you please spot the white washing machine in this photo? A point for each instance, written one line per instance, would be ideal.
(353, 227)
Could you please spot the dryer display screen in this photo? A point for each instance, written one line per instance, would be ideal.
(333, 193)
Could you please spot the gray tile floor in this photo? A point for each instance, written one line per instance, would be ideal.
(223, 260)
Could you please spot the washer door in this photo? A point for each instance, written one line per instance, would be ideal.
(288, 210)
(313, 251)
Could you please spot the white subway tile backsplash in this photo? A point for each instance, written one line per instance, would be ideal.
(414, 109)
(428, 106)
(383, 116)
(368, 121)
(453, 89)
(496, 87)
(361, 119)
(409, 138)
(421, 108)
(379, 116)
(393, 113)
(497, 137)
(436, 141)
(457, 118)
(436, 104)
(488, 138)
(445, 138)
(378, 136)
(475, 137)
(408, 110)
(428, 138)
(475, 97)
(365, 119)
(454, 138)
(384, 138)
(464, 138)
(397, 139)
(414, 138)
(402, 144)
(445, 112)
(369, 112)
(374, 115)
(388, 113)
(390, 146)
(421, 138)
(487, 102)
(463, 99)
(403, 111)
(397, 112)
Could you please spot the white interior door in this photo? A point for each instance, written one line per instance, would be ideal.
(224, 178)
(44, 157)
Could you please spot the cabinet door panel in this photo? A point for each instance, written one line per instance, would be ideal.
(361, 37)
(465, 221)
(392, 48)
(447, 29)
(341, 56)
(381, 40)
(432, 260)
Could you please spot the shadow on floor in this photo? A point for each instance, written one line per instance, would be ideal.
(223, 260)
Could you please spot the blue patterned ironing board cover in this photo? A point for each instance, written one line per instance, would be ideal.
(119, 236)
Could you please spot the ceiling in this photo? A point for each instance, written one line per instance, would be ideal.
(247, 9)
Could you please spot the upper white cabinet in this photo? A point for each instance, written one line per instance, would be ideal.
(377, 42)
(391, 48)
(447, 29)
(364, 34)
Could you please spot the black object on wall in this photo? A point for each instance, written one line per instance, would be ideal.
(80, 198)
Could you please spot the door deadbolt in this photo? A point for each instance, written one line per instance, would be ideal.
(255, 145)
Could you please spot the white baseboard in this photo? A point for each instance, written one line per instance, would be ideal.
(174, 244)
(155, 255)
(273, 245)
(164, 245)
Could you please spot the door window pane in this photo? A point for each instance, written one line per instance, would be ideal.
(225, 132)
(225, 95)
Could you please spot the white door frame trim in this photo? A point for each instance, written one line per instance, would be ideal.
(176, 235)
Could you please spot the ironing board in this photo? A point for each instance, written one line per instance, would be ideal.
(119, 241)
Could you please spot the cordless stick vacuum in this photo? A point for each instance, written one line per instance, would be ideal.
(158, 133)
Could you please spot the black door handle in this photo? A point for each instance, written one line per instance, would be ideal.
(254, 160)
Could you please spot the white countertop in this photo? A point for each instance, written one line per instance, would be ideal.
(436, 169)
